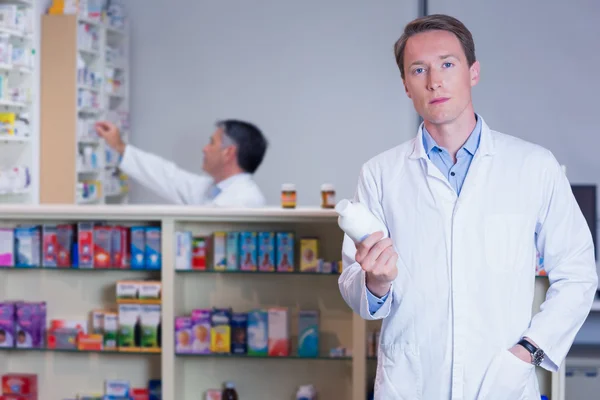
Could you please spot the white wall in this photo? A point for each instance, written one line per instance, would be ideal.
(318, 77)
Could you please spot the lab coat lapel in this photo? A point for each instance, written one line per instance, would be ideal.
(479, 169)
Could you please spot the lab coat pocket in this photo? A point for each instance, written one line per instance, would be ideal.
(505, 241)
(400, 371)
(507, 378)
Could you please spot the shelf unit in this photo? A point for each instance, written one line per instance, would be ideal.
(85, 78)
(19, 107)
(73, 293)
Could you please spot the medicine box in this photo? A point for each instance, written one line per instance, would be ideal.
(120, 247)
(97, 322)
(7, 246)
(284, 241)
(258, 333)
(183, 335)
(248, 251)
(219, 251)
(149, 292)
(110, 327)
(64, 241)
(309, 254)
(27, 246)
(116, 387)
(150, 321)
(308, 333)
(49, 246)
(7, 324)
(201, 331)
(138, 247)
(239, 327)
(220, 332)
(199, 253)
(129, 325)
(155, 389)
(127, 291)
(20, 384)
(279, 338)
(153, 255)
(102, 246)
(183, 250)
(233, 250)
(266, 251)
(85, 240)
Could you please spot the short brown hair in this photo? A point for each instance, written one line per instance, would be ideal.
(435, 22)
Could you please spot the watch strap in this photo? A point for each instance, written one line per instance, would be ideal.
(528, 346)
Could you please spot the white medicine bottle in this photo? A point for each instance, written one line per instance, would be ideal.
(357, 221)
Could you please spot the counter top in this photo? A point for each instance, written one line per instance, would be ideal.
(158, 212)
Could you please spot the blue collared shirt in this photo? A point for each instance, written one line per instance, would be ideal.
(454, 172)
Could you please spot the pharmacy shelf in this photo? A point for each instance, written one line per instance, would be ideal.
(259, 273)
(77, 52)
(78, 352)
(189, 375)
(21, 73)
(14, 139)
(72, 269)
(261, 358)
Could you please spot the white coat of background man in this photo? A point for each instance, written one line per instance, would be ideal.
(466, 208)
(235, 151)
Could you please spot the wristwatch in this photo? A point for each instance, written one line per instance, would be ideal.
(537, 354)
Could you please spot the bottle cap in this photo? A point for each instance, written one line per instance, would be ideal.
(342, 206)
(229, 385)
(327, 187)
(288, 187)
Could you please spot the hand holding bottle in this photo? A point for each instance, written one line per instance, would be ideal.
(378, 259)
(374, 250)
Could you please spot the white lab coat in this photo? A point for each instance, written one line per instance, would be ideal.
(466, 270)
(182, 187)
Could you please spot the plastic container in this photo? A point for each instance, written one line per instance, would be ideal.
(327, 196)
(357, 221)
(229, 392)
(306, 392)
(288, 195)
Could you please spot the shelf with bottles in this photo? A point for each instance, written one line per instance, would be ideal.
(15, 180)
(260, 333)
(27, 386)
(85, 245)
(259, 252)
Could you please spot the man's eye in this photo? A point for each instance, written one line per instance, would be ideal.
(448, 64)
(418, 70)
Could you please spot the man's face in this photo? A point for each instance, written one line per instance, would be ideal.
(215, 154)
(437, 76)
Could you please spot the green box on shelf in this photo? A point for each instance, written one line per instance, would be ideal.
(150, 320)
(129, 327)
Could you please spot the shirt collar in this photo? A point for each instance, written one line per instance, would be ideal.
(470, 145)
(229, 181)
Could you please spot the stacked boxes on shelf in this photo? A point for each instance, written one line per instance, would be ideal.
(19, 387)
(139, 316)
(250, 251)
(259, 332)
(86, 245)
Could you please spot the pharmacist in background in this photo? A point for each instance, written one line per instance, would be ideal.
(465, 210)
(235, 152)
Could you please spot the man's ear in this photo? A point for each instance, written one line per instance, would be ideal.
(230, 153)
(475, 71)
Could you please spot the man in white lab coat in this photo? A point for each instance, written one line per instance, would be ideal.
(466, 208)
(235, 151)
